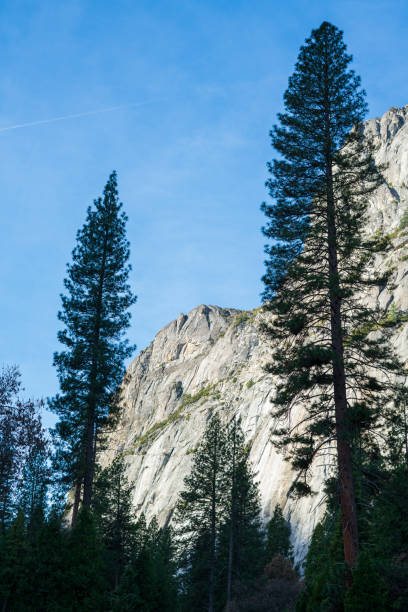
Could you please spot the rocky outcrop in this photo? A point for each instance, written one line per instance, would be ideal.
(211, 360)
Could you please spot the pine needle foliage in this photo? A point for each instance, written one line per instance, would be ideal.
(333, 362)
(95, 314)
(23, 450)
(218, 525)
(278, 536)
(112, 507)
(199, 514)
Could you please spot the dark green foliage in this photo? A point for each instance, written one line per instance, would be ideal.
(84, 584)
(388, 536)
(324, 571)
(240, 548)
(380, 578)
(56, 569)
(199, 515)
(368, 590)
(278, 536)
(23, 450)
(35, 481)
(218, 521)
(126, 597)
(112, 505)
(148, 582)
(95, 315)
(15, 575)
(49, 566)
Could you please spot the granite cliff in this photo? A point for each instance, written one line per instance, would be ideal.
(211, 360)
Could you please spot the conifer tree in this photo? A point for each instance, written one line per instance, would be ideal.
(50, 565)
(200, 511)
(84, 587)
(241, 527)
(95, 315)
(35, 480)
(219, 531)
(278, 536)
(368, 591)
(112, 505)
(318, 271)
(21, 436)
(15, 574)
(148, 583)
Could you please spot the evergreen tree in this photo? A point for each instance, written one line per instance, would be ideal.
(324, 569)
(388, 536)
(148, 583)
(368, 591)
(380, 578)
(35, 480)
(220, 538)
(278, 536)
(95, 315)
(21, 436)
(112, 505)
(84, 587)
(15, 574)
(199, 513)
(49, 566)
(317, 271)
(241, 533)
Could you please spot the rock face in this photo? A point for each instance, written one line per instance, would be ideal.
(211, 360)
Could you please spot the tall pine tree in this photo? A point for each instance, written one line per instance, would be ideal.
(199, 513)
(241, 538)
(95, 315)
(318, 270)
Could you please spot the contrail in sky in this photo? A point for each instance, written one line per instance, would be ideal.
(17, 126)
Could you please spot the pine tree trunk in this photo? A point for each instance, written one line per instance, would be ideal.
(89, 455)
(232, 528)
(344, 457)
(213, 521)
(90, 432)
(230, 558)
(405, 433)
(77, 499)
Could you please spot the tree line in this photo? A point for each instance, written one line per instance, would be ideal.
(212, 557)
(335, 366)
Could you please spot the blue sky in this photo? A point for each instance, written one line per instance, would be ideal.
(199, 84)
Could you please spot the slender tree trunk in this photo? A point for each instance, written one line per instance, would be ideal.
(232, 528)
(344, 456)
(230, 559)
(89, 455)
(119, 551)
(405, 433)
(213, 524)
(77, 499)
(90, 432)
(6, 494)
